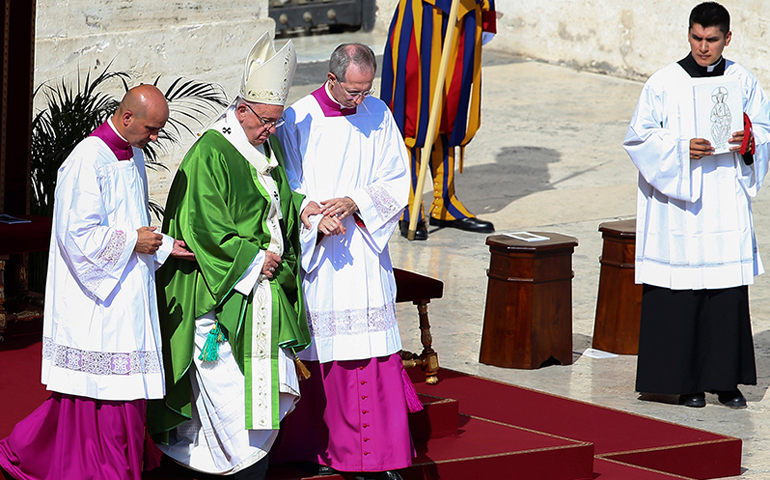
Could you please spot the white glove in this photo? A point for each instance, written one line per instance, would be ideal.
(486, 37)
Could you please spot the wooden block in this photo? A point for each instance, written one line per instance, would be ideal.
(619, 300)
(528, 316)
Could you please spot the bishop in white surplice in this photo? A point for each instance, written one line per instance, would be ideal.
(361, 156)
(110, 349)
(346, 155)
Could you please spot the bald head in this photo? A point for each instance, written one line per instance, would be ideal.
(141, 114)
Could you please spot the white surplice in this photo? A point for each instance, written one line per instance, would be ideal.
(101, 335)
(694, 227)
(348, 279)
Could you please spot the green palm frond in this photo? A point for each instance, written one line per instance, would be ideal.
(192, 100)
(156, 209)
(71, 113)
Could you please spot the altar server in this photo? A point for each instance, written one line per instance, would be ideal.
(696, 252)
(101, 343)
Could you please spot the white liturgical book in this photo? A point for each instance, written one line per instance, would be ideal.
(718, 110)
(527, 236)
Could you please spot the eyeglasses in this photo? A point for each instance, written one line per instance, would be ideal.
(355, 94)
(265, 123)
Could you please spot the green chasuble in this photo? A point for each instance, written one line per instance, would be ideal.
(218, 206)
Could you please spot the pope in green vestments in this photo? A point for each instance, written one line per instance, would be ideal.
(233, 321)
(219, 208)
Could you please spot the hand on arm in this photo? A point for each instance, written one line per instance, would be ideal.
(148, 241)
(700, 147)
(181, 251)
(339, 207)
(271, 263)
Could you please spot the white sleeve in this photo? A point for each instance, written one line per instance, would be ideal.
(164, 251)
(308, 244)
(249, 278)
(658, 150)
(96, 252)
(757, 109)
(381, 202)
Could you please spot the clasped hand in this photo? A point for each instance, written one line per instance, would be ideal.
(333, 211)
(148, 241)
(271, 263)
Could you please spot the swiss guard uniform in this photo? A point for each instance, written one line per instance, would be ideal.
(410, 71)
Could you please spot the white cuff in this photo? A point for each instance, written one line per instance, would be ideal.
(249, 278)
(164, 251)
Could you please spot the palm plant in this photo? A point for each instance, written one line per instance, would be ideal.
(71, 113)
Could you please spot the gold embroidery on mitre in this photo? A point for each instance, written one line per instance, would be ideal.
(268, 75)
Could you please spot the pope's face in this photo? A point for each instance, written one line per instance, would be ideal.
(706, 44)
(257, 120)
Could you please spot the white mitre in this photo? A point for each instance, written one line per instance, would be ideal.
(267, 75)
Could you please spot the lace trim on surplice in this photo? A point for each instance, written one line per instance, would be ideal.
(101, 363)
(384, 203)
(106, 260)
(353, 321)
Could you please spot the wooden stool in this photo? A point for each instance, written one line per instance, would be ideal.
(420, 289)
(528, 316)
(619, 302)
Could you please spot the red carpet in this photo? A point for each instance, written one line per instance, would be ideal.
(20, 388)
(618, 437)
(472, 428)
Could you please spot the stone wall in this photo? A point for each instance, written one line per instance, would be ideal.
(204, 40)
(207, 40)
(625, 38)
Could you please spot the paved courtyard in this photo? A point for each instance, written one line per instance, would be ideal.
(548, 157)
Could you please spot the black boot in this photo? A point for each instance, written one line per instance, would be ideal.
(420, 234)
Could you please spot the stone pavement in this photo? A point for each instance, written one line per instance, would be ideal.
(548, 157)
